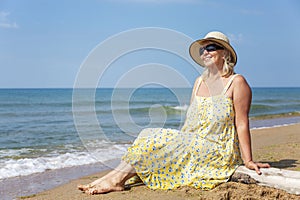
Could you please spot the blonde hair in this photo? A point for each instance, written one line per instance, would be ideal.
(228, 64)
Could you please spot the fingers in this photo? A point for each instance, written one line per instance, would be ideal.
(263, 165)
(257, 169)
(257, 166)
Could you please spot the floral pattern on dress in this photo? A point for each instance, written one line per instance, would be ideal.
(203, 154)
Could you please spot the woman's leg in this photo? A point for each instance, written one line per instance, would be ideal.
(113, 181)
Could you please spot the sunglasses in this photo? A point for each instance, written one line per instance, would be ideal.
(210, 48)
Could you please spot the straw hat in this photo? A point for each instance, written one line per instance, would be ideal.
(216, 37)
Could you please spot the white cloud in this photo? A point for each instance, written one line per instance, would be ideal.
(5, 22)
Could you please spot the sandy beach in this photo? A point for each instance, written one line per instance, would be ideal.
(279, 146)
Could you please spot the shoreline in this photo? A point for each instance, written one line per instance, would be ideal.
(270, 122)
(276, 145)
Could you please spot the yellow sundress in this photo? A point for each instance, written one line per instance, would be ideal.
(203, 154)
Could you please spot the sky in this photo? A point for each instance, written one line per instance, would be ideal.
(45, 44)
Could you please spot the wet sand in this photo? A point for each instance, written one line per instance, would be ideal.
(279, 146)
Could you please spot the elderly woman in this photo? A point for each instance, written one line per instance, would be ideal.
(214, 140)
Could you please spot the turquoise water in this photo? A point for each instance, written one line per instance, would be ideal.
(38, 132)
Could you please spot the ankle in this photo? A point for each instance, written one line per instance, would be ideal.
(119, 178)
(116, 178)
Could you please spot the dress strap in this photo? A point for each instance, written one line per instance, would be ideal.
(198, 84)
(229, 83)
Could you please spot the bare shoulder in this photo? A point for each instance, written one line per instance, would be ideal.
(240, 82)
(239, 79)
(241, 88)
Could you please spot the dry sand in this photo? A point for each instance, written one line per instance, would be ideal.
(279, 146)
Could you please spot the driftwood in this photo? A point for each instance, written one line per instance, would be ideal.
(277, 178)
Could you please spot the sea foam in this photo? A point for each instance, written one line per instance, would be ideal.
(26, 166)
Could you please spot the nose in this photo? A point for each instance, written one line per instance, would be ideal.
(205, 51)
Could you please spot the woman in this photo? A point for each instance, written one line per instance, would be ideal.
(208, 148)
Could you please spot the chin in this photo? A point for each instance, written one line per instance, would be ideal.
(209, 64)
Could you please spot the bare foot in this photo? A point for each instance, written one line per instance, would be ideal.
(113, 181)
(88, 186)
(101, 186)
(104, 187)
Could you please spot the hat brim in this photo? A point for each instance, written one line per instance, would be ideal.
(195, 49)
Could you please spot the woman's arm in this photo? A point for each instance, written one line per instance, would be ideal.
(242, 96)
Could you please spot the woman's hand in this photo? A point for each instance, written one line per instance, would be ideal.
(256, 166)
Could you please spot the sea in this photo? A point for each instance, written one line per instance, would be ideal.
(51, 129)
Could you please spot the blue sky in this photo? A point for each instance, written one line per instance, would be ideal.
(44, 43)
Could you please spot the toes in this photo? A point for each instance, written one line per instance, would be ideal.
(83, 187)
(96, 190)
(87, 191)
(92, 191)
(80, 187)
(102, 188)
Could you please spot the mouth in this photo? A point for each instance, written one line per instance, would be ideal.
(207, 58)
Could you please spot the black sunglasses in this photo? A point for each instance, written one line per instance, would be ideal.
(210, 47)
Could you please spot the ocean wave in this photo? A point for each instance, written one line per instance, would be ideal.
(261, 107)
(168, 109)
(121, 102)
(25, 166)
(184, 107)
(139, 109)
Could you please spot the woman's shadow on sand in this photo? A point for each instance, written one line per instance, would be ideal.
(282, 164)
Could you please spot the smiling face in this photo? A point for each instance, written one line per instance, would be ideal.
(212, 55)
